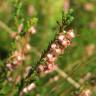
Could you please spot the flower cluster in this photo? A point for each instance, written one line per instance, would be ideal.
(22, 47)
(62, 40)
(17, 58)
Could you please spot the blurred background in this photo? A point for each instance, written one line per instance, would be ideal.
(78, 59)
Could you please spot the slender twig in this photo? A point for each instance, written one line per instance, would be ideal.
(68, 78)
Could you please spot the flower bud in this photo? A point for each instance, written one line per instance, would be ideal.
(9, 66)
(50, 66)
(40, 68)
(32, 30)
(61, 37)
(51, 58)
(53, 46)
(65, 43)
(70, 34)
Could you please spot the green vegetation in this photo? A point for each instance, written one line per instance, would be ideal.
(77, 61)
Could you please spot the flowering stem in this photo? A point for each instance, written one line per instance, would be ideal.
(61, 40)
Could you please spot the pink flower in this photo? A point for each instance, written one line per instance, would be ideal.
(32, 30)
(50, 57)
(51, 68)
(41, 68)
(65, 43)
(70, 34)
(9, 66)
(53, 46)
(61, 37)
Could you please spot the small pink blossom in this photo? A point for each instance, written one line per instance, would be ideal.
(61, 37)
(65, 43)
(32, 30)
(41, 68)
(49, 56)
(70, 34)
(50, 66)
(53, 46)
(9, 66)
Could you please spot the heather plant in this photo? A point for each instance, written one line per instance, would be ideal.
(47, 49)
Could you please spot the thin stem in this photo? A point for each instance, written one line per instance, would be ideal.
(69, 79)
